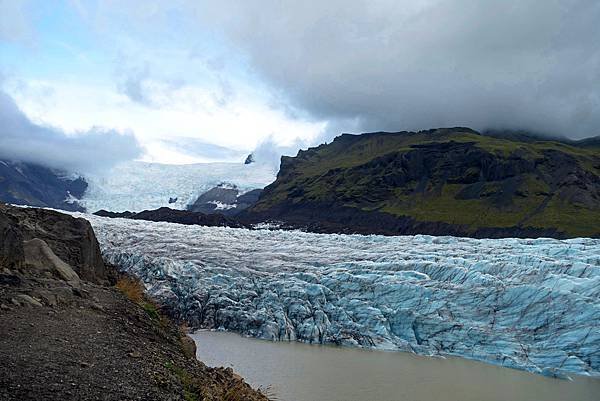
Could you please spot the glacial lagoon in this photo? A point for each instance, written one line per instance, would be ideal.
(303, 372)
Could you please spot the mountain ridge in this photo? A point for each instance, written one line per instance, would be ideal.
(447, 181)
(35, 185)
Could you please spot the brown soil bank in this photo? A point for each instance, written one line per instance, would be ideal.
(67, 334)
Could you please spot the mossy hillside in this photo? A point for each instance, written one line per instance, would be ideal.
(455, 176)
(352, 150)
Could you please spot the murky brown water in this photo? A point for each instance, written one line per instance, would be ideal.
(301, 372)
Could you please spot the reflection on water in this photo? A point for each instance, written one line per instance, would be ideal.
(301, 372)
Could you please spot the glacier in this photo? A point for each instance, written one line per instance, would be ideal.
(136, 186)
(531, 304)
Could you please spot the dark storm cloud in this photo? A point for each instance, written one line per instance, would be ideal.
(94, 150)
(393, 65)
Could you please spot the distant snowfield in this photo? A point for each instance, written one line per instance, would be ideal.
(136, 186)
(531, 304)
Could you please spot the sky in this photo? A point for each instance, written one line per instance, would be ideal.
(195, 81)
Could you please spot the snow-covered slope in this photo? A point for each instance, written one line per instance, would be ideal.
(136, 186)
(531, 304)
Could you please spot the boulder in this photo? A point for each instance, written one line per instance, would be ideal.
(24, 299)
(189, 346)
(71, 239)
(39, 255)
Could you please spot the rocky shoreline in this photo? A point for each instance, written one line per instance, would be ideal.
(67, 333)
(323, 218)
(169, 215)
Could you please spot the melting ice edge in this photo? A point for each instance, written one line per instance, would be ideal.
(531, 304)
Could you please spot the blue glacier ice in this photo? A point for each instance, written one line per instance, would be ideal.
(530, 304)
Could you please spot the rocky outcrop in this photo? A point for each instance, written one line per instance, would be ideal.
(225, 199)
(249, 159)
(71, 239)
(440, 182)
(248, 199)
(38, 255)
(176, 216)
(114, 215)
(64, 335)
(11, 242)
(220, 199)
(35, 185)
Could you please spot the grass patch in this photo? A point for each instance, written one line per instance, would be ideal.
(574, 220)
(471, 212)
(131, 288)
(151, 310)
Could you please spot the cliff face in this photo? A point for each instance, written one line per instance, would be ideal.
(71, 239)
(441, 182)
(34, 185)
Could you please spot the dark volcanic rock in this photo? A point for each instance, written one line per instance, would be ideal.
(249, 159)
(106, 213)
(177, 216)
(35, 185)
(71, 239)
(208, 201)
(225, 200)
(248, 199)
(11, 242)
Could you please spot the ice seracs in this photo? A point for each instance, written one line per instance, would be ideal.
(530, 304)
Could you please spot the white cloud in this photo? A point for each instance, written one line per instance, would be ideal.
(93, 150)
(182, 113)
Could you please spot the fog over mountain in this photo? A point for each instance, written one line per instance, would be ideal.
(24, 140)
(395, 65)
(204, 80)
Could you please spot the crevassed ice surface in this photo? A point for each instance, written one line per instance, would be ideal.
(137, 186)
(525, 303)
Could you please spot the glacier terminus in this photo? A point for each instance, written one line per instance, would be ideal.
(531, 304)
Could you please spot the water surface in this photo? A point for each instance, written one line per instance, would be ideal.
(302, 372)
